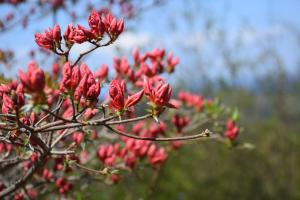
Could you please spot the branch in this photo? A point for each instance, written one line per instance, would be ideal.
(92, 49)
(129, 120)
(19, 183)
(204, 134)
(54, 110)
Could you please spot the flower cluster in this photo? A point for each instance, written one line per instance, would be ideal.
(34, 79)
(159, 94)
(132, 150)
(117, 89)
(150, 64)
(63, 185)
(180, 122)
(80, 83)
(192, 100)
(98, 25)
(12, 96)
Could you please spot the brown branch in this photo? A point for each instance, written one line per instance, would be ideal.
(56, 116)
(129, 120)
(97, 122)
(59, 138)
(90, 50)
(204, 134)
(54, 110)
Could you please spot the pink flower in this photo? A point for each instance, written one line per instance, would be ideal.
(96, 24)
(34, 79)
(78, 137)
(136, 55)
(113, 26)
(56, 33)
(102, 72)
(180, 122)
(93, 91)
(44, 41)
(116, 92)
(48, 39)
(158, 157)
(191, 99)
(69, 34)
(134, 99)
(159, 95)
(130, 160)
(7, 105)
(81, 35)
(172, 62)
(89, 113)
(121, 66)
(232, 130)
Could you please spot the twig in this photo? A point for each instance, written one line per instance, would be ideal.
(90, 50)
(204, 134)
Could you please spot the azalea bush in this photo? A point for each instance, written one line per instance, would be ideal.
(59, 125)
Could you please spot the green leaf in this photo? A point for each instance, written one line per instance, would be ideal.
(235, 115)
(115, 171)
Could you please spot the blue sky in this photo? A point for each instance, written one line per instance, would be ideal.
(253, 22)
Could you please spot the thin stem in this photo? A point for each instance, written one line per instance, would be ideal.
(203, 134)
(90, 50)
(58, 138)
(129, 120)
(56, 116)
(62, 152)
(105, 171)
(54, 110)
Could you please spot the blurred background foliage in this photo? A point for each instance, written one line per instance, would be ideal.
(247, 55)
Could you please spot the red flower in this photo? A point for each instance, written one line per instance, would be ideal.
(191, 99)
(70, 77)
(96, 24)
(80, 81)
(232, 130)
(43, 41)
(34, 79)
(102, 72)
(159, 95)
(56, 33)
(116, 92)
(47, 175)
(69, 34)
(180, 122)
(7, 104)
(93, 91)
(81, 35)
(77, 137)
(112, 25)
(134, 99)
(121, 66)
(48, 39)
(89, 113)
(20, 98)
(157, 156)
(172, 62)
